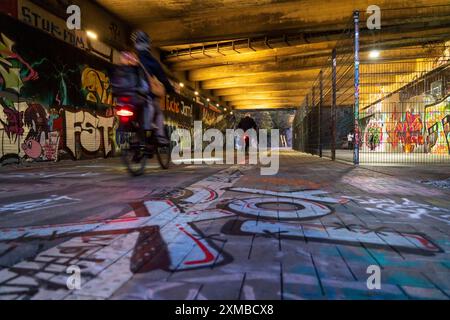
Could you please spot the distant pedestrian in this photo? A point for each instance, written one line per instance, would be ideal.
(350, 137)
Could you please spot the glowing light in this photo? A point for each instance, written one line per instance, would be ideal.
(124, 113)
(208, 100)
(374, 54)
(182, 84)
(224, 109)
(92, 35)
(196, 93)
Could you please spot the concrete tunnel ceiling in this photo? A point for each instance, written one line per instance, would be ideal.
(259, 54)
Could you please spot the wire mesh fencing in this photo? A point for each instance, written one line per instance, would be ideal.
(382, 97)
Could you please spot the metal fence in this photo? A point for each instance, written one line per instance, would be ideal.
(380, 99)
(325, 117)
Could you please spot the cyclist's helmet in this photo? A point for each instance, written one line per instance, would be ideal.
(141, 40)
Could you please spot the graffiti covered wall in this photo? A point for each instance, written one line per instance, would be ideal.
(55, 100)
(423, 129)
(413, 120)
(438, 128)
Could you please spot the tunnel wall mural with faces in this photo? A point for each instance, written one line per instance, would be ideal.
(414, 119)
(56, 101)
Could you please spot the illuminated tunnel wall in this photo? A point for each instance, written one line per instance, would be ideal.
(412, 120)
(56, 100)
(410, 124)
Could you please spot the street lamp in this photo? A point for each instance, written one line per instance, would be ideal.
(374, 54)
(91, 35)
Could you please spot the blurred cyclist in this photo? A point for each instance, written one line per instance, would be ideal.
(246, 124)
(142, 44)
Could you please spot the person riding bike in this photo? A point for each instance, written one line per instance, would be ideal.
(153, 118)
(246, 124)
(131, 85)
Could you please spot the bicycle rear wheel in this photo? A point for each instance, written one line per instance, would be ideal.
(163, 153)
(133, 153)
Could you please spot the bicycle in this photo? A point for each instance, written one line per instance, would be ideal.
(136, 147)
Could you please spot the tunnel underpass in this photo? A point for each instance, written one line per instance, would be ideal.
(346, 172)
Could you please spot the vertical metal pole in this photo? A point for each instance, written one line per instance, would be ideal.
(313, 149)
(356, 107)
(333, 106)
(308, 124)
(320, 111)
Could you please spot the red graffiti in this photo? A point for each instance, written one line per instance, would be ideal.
(14, 122)
(408, 132)
(209, 257)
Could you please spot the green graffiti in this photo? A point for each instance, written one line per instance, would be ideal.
(13, 75)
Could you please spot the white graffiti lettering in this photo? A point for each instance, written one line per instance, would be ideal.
(92, 129)
(37, 204)
(412, 209)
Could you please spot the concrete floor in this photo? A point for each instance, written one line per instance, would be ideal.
(225, 232)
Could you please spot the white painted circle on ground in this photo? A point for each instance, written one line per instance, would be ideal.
(279, 208)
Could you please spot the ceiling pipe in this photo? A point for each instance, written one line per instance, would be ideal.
(218, 50)
(261, 43)
(250, 45)
(204, 53)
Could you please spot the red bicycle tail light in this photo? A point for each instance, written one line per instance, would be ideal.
(124, 113)
(124, 99)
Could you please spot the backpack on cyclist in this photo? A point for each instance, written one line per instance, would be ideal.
(130, 81)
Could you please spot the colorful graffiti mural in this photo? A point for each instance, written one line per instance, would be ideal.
(96, 86)
(408, 132)
(56, 100)
(438, 128)
(373, 134)
(51, 105)
(43, 81)
(29, 132)
(14, 70)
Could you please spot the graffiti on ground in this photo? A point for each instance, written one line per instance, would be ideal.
(445, 184)
(405, 207)
(38, 204)
(343, 234)
(164, 233)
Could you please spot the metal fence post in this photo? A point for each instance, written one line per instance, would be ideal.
(308, 124)
(313, 125)
(319, 118)
(356, 107)
(333, 106)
